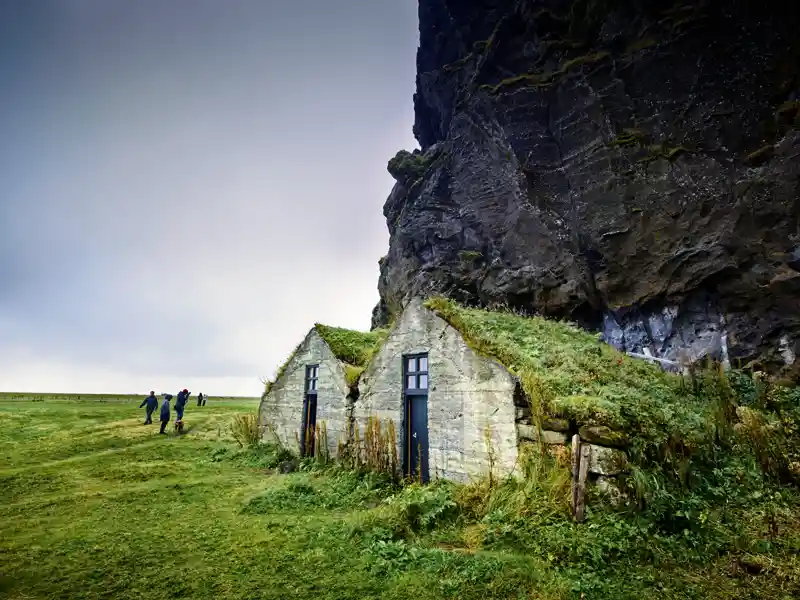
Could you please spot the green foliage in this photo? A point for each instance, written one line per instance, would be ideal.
(410, 166)
(566, 372)
(245, 430)
(353, 347)
(352, 373)
(333, 489)
(414, 509)
(86, 491)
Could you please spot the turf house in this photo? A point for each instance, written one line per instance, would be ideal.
(455, 409)
(470, 389)
(312, 393)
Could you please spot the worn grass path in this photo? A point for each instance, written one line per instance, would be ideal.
(93, 504)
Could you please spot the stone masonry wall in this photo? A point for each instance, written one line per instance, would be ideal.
(466, 394)
(282, 408)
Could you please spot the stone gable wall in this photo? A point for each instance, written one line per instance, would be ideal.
(282, 408)
(467, 393)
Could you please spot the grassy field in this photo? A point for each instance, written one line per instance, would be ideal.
(97, 505)
(34, 397)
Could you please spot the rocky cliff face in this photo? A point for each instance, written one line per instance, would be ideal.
(632, 166)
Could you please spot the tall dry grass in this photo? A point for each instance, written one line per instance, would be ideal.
(245, 430)
(376, 451)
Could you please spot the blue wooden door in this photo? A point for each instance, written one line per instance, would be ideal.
(309, 426)
(415, 418)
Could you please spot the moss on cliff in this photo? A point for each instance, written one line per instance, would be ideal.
(547, 78)
(629, 137)
(469, 255)
(410, 166)
(458, 64)
(665, 151)
(761, 155)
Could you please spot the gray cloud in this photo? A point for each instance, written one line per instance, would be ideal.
(188, 185)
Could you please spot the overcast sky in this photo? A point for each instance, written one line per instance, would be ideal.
(186, 186)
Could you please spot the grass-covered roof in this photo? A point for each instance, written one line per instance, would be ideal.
(567, 372)
(352, 348)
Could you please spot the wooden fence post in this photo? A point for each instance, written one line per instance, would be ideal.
(582, 473)
(576, 461)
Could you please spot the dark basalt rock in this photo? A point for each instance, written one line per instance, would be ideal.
(631, 166)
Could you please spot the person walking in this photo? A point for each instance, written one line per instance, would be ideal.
(180, 403)
(152, 404)
(200, 399)
(204, 399)
(165, 413)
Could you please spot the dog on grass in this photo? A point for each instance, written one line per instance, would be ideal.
(179, 426)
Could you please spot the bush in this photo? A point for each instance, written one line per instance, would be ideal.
(414, 509)
(245, 430)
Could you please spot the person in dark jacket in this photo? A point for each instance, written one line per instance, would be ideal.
(152, 404)
(165, 413)
(200, 399)
(180, 403)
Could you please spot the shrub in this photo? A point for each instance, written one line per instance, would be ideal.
(245, 430)
(415, 508)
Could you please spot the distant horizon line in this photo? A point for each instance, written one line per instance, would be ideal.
(112, 394)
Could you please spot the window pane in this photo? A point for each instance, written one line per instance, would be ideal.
(313, 384)
(410, 383)
(314, 371)
(412, 365)
(423, 382)
(423, 363)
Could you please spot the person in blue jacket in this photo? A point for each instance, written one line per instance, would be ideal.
(180, 403)
(165, 413)
(152, 403)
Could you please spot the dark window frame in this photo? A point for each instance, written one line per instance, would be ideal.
(312, 370)
(417, 374)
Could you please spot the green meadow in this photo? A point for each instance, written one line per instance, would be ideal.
(95, 504)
